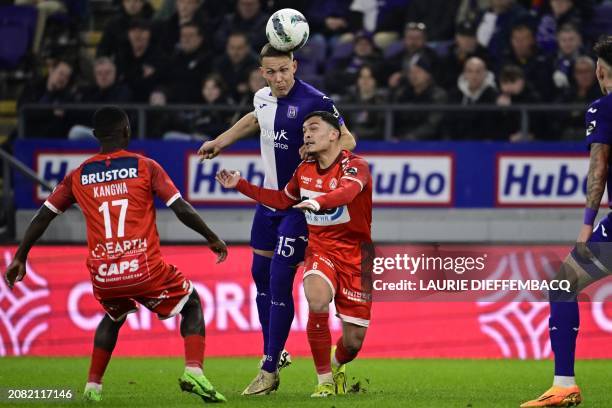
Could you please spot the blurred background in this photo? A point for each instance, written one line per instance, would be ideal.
(470, 112)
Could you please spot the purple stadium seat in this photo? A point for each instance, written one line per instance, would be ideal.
(394, 48)
(17, 25)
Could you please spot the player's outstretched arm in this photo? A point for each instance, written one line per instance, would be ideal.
(246, 126)
(272, 198)
(188, 216)
(344, 194)
(596, 185)
(39, 224)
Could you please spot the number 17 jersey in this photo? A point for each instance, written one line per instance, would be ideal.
(116, 194)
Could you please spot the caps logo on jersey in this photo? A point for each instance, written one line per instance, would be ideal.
(292, 112)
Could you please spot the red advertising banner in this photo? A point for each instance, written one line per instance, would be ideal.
(53, 313)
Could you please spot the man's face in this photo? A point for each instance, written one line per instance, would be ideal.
(248, 8)
(475, 73)
(318, 135)
(237, 48)
(584, 75)
(569, 42)
(210, 91)
(139, 39)
(190, 39)
(560, 7)
(279, 73)
(418, 77)
(105, 74)
(513, 87)
(363, 47)
(132, 7)
(414, 40)
(366, 81)
(59, 76)
(522, 42)
(466, 43)
(186, 8)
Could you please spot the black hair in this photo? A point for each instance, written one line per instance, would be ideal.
(109, 122)
(511, 73)
(193, 24)
(603, 49)
(269, 51)
(327, 117)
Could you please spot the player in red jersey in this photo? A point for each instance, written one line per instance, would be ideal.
(335, 191)
(115, 190)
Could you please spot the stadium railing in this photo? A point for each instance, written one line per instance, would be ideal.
(389, 110)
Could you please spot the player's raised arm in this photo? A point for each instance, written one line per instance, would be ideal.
(596, 185)
(189, 217)
(347, 140)
(281, 200)
(39, 224)
(245, 126)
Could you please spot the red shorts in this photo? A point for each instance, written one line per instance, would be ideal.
(166, 297)
(353, 302)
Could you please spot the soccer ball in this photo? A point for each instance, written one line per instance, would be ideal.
(287, 30)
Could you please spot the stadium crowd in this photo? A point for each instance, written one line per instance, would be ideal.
(369, 52)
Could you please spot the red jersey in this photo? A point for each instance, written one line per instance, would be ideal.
(115, 192)
(344, 193)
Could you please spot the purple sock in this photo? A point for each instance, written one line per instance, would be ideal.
(260, 270)
(563, 325)
(281, 310)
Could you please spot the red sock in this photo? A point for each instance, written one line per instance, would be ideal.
(343, 356)
(319, 338)
(99, 361)
(194, 350)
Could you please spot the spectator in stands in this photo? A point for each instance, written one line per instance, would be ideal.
(496, 24)
(366, 124)
(213, 10)
(332, 18)
(345, 71)
(248, 18)
(55, 89)
(169, 31)
(114, 38)
(142, 66)
(190, 64)
(569, 43)
(236, 64)
(256, 82)
(164, 123)
(563, 12)
(438, 16)
(415, 45)
(536, 66)
(476, 86)
(515, 90)
(465, 47)
(470, 10)
(209, 123)
(107, 89)
(368, 11)
(583, 91)
(419, 88)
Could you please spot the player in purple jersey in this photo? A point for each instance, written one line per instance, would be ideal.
(591, 259)
(278, 238)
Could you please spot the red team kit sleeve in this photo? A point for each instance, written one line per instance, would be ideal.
(61, 198)
(162, 185)
(278, 199)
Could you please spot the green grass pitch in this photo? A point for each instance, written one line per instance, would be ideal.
(152, 382)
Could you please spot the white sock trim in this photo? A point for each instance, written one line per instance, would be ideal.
(564, 381)
(93, 386)
(325, 378)
(194, 370)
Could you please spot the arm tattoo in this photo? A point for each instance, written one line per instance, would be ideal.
(598, 174)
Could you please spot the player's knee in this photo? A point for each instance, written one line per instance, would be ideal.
(318, 304)
(353, 342)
